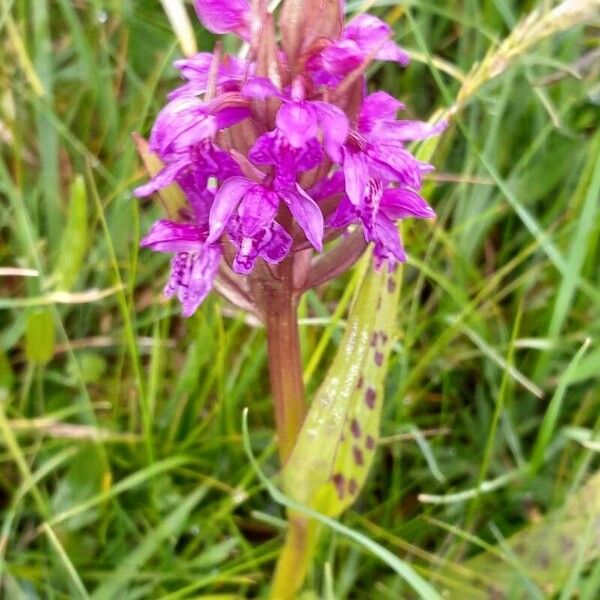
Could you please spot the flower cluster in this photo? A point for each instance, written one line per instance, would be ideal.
(284, 149)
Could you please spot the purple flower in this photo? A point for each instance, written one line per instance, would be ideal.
(378, 212)
(225, 16)
(272, 160)
(302, 120)
(247, 210)
(182, 137)
(365, 36)
(194, 266)
(196, 70)
(376, 147)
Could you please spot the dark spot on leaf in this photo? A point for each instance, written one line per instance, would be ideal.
(384, 337)
(370, 442)
(358, 456)
(360, 383)
(495, 594)
(374, 339)
(391, 285)
(370, 397)
(379, 303)
(340, 484)
(355, 428)
(567, 544)
(378, 359)
(544, 559)
(353, 487)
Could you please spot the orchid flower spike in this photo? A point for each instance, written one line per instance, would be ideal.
(281, 153)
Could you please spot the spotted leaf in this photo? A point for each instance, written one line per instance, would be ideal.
(336, 445)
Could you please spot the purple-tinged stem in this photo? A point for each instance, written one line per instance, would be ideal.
(285, 360)
(279, 305)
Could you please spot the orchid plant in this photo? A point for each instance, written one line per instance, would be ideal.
(291, 172)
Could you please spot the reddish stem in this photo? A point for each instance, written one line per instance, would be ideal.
(285, 360)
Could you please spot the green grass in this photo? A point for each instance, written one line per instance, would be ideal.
(148, 492)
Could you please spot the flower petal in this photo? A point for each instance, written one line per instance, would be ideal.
(278, 246)
(371, 33)
(224, 16)
(162, 179)
(377, 107)
(332, 64)
(273, 148)
(298, 122)
(261, 88)
(388, 245)
(344, 215)
(168, 236)
(391, 163)
(327, 188)
(357, 175)
(226, 201)
(272, 243)
(192, 276)
(403, 202)
(257, 209)
(307, 214)
(391, 51)
(407, 131)
(335, 126)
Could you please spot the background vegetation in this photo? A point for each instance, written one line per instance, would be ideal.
(122, 469)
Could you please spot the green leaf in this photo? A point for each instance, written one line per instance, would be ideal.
(542, 556)
(6, 373)
(40, 336)
(114, 584)
(76, 239)
(360, 432)
(337, 443)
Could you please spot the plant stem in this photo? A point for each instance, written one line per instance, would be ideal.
(287, 388)
(285, 361)
(294, 560)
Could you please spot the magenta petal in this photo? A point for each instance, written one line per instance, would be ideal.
(273, 148)
(257, 209)
(272, 243)
(388, 245)
(195, 66)
(224, 16)
(261, 88)
(377, 107)
(230, 115)
(403, 202)
(162, 179)
(192, 276)
(357, 176)
(278, 246)
(335, 126)
(298, 122)
(168, 236)
(175, 119)
(344, 215)
(368, 32)
(408, 131)
(396, 164)
(331, 65)
(391, 51)
(307, 214)
(228, 197)
(327, 188)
